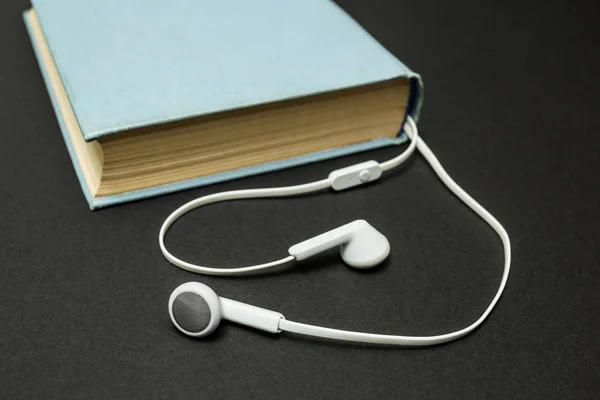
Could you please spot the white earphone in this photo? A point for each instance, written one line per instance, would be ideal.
(196, 310)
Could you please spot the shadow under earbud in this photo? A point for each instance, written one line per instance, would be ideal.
(373, 270)
(326, 260)
(329, 259)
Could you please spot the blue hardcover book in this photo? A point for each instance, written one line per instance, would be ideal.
(155, 96)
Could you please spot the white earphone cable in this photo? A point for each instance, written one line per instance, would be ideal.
(318, 331)
(225, 196)
(312, 330)
(410, 127)
(284, 191)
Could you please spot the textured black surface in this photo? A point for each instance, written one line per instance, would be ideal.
(511, 109)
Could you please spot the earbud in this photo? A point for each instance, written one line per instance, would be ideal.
(197, 310)
(361, 245)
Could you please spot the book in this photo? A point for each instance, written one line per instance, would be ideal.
(155, 96)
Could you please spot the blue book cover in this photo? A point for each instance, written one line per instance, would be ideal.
(115, 61)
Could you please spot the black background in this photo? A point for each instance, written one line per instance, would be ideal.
(511, 109)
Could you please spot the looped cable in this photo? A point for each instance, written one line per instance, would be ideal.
(284, 191)
(318, 331)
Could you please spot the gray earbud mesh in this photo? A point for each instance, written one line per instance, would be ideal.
(191, 312)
